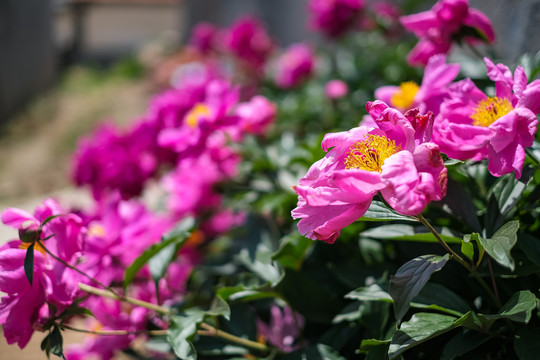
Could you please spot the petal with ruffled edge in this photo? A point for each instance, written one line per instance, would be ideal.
(514, 132)
(530, 98)
(406, 190)
(16, 217)
(394, 124)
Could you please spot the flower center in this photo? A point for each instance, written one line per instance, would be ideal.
(404, 97)
(96, 230)
(489, 110)
(370, 153)
(194, 115)
(26, 245)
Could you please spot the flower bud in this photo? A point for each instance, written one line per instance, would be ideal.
(29, 232)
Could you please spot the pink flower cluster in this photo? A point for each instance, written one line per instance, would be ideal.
(475, 126)
(446, 22)
(295, 65)
(395, 159)
(334, 17)
(26, 306)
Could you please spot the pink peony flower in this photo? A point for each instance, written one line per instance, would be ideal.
(191, 184)
(294, 66)
(429, 95)
(249, 42)
(334, 17)
(256, 115)
(395, 159)
(447, 21)
(24, 308)
(110, 161)
(203, 37)
(189, 138)
(336, 89)
(472, 125)
(283, 330)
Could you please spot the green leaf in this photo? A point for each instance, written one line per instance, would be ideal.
(475, 321)
(219, 307)
(182, 329)
(530, 247)
(57, 343)
(463, 342)
(292, 251)
(460, 202)
(526, 343)
(421, 327)
(313, 352)
(46, 345)
(29, 264)
(369, 344)
(432, 296)
(177, 237)
(49, 219)
(519, 308)
(467, 249)
(378, 211)
(507, 190)
(411, 278)
(405, 233)
(501, 243)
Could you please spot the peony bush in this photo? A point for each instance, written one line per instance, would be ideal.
(204, 237)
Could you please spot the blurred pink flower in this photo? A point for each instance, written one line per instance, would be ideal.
(447, 21)
(395, 159)
(24, 308)
(249, 42)
(335, 89)
(203, 37)
(334, 17)
(256, 115)
(110, 161)
(294, 66)
(472, 125)
(429, 95)
(283, 330)
(191, 185)
(189, 138)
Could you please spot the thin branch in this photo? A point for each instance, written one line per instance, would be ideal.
(209, 330)
(114, 332)
(111, 295)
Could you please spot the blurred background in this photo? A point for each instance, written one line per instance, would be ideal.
(67, 65)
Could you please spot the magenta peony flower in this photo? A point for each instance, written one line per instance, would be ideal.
(447, 21)
(283, 330)
(429, 95)
(335, 89)
(472, 125)
(24, 308)
(110, 161)
(256, 115)
(203, 37)
(191, 184)
(334, 17)
(294, 66)
(395, 159)
(190, 137)
(249, 42)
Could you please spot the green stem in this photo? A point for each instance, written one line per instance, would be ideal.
(208, 330)
(455, 256)
(114, 332)
(111, 295)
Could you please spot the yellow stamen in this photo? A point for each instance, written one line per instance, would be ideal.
(370, 153)
(96, 230)
(26, 245)
(489, 110)
(194, 115)
(404, 98)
